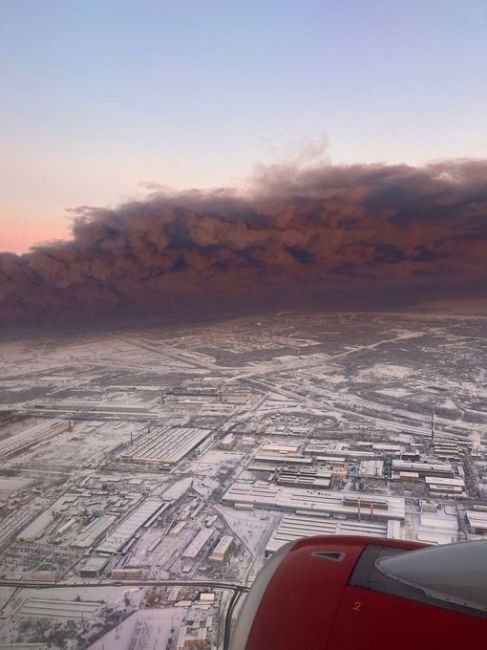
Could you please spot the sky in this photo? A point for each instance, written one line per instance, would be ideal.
(102, 97)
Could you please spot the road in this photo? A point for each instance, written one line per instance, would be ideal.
(207, 584)
(228, 619)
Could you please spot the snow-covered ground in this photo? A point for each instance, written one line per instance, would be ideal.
(144, 630)
(355, 385)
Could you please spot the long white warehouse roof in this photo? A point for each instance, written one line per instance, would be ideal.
(294, 526)
(129, 526)
(267, 495)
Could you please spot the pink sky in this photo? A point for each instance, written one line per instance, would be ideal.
(98, 97)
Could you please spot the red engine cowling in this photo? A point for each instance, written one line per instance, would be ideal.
(341, 593)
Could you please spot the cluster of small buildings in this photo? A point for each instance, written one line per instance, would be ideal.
(321, 488)
(439, 477)
(196, 631)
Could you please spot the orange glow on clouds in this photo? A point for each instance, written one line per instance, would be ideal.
(19, 233)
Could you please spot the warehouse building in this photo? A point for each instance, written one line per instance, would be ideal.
(319, 480)
(94, 530)
(371, 469)
(129, 526)
(228, 442)
(222, 549)
(125, 573)
(45, 608)
(477, 522)
(196, 546)
(250, 494)
(423, 469)
(286, 459)
(93, 568)
(408, 477)
(445, 486)
(166, 446)
(437, 528)
(292, 450)
(32, 434)
(293, 527)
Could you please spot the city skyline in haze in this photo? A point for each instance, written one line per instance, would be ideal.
(102, 98)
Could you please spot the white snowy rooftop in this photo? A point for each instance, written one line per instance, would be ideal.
(129, 526)
(168, 445)
(477, 519)
(295, 526)
(352, 504)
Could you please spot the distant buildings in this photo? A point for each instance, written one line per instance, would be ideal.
(299, 500)
(292, 527)
(423, 469)
(166, 446)
(31, 433)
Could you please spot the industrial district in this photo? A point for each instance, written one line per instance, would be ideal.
(146, 475)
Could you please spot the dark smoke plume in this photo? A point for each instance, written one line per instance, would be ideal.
(325, 234)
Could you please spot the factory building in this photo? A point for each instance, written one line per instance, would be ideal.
(423, 469)
(222, 549)
(129, 526)
(292, 450)
(371, 469)
(292, 527)
(93, 531)
(437, 528)
(196, 546)
(228, 442)
(286, 459)
(388, 448)
(44, 575)
(410, 456)
(319, 480)
(36, 529)
(339, 453)
(445, 486)
(166, 446)
(189, 638)
(196, 632)
(448, 451)
(394, 529)
(250, 494)
(207, 597)
(320, 449)
(43, 608)
(330, 460)
(125, 573)
(477, 522)
(408, 477)
(32, 434)
(93, 568)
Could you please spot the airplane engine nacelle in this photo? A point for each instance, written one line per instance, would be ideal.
(362, 593)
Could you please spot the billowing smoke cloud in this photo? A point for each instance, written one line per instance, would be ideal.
(326, 232)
